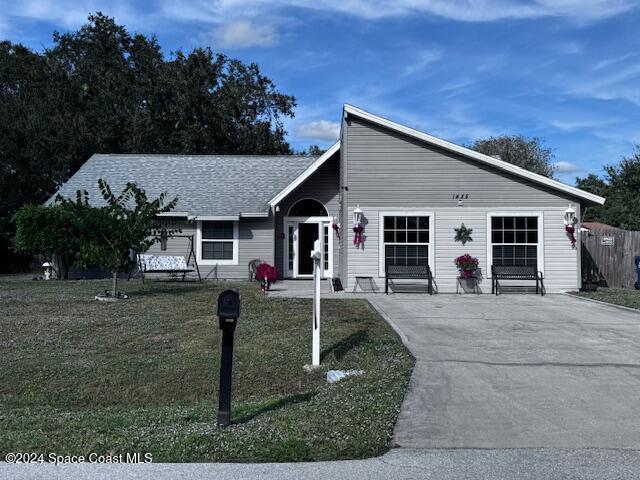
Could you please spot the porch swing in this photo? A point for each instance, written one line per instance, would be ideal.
(174, 265)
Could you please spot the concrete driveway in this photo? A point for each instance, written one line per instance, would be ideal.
(517, 371)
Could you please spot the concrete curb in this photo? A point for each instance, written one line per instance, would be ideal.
(600, 302)
(394, 326)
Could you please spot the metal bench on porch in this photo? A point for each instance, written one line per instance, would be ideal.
(515, 272)
(408, 272)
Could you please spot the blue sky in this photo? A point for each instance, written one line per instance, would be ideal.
(567, 71)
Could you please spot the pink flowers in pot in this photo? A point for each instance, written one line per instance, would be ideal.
(264, 270)
(467, 265)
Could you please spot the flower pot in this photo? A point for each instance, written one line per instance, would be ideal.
(468, 284)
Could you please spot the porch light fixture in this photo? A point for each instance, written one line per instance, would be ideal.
(357, 215)
(570, 216)
(357, 227)
(570, 221)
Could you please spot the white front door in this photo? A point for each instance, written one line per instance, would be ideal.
(300, 235)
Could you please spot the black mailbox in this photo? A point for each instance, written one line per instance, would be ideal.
(229, 305)
(228, 313)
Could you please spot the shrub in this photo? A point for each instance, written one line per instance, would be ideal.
(54, 231)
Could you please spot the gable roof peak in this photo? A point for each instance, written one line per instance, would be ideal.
(470, 154)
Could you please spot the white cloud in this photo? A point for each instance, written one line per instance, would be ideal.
(566, 167)
(73, 13)
(244, 34)
(421, 61)
(568, 48)
(607, 62)
(464, 10)
(319, 130)
(581, 124)
(609, 84)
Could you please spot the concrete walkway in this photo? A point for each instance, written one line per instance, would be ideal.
(517, 371)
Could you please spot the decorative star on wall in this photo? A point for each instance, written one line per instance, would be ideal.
(463, 234)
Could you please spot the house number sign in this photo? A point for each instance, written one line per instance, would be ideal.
(459, 196)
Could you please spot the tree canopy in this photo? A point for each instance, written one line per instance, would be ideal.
(53, 231)
(528, 153)
(620, 185)
(102, 89)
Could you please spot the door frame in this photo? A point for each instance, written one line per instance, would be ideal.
(295, 221)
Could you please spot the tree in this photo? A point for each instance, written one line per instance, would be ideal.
(528, 153)
(314, 151)
(126, 225)
(53, 231)
(620, 185)
(103, 89)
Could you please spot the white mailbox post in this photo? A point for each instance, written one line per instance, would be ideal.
(316, 255)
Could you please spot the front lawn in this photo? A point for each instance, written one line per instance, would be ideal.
(79, 376)
(616, 296)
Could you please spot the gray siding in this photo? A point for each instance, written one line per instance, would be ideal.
(388, 171)
(255, 241)
(321, 186)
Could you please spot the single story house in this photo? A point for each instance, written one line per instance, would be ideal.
(413, 190)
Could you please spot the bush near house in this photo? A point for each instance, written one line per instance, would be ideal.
(79, 376)
(74, 231)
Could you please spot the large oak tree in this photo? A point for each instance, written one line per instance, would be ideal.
(104, 89)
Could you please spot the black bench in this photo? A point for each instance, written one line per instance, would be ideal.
(519, 272)
(404, 272)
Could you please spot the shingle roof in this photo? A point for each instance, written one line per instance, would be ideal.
(221, 185)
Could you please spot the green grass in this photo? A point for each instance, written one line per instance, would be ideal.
(79, 376)
(616, 296)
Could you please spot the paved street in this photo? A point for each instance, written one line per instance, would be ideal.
(398, 464)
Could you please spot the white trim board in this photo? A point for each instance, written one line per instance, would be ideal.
(306, 174)
(486, 159)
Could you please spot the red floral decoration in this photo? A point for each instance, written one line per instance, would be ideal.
(264, 270)
(336, 228)
(467, 265)
(570, 229)
(357, 239)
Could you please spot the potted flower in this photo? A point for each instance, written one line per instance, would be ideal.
(267, 274)
(467, 265)
(468, 268)
(590, 281)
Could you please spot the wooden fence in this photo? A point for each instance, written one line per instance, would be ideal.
(611, 253)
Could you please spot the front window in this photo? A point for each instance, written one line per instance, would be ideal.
(405, 240)
(514, 241)
(218, 241)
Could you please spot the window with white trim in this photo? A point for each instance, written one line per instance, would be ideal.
(218, 242)
(406, 240)
(514, 240)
